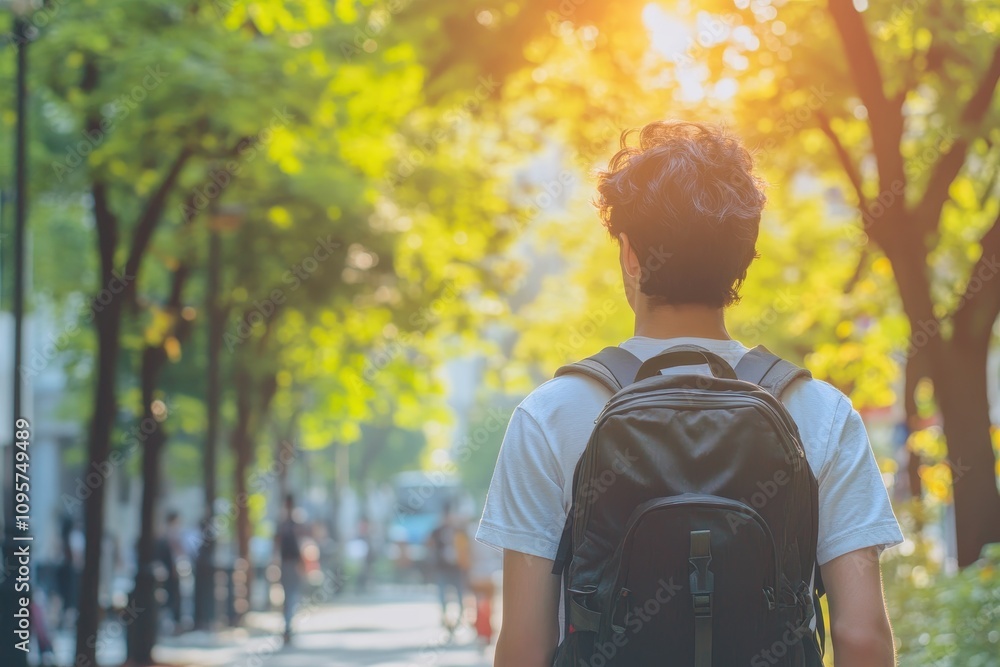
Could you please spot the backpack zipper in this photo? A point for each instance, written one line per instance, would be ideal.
(713, 399)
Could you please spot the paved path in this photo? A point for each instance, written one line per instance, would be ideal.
(389, 628)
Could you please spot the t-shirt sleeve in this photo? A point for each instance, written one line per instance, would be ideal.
(524, 507)
(854, 508)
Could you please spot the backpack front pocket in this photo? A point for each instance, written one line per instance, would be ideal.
(692, 572)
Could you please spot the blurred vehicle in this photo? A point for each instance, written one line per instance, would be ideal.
(420, 498)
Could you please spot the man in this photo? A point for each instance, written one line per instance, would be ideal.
(287, 547)
(684, 207)
(448, 546)
(168, 550)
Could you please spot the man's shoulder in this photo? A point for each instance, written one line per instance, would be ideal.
(814, 397)
(572, 393)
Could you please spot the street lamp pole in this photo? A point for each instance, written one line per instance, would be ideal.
(9, 593)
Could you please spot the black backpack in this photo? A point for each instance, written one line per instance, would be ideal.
(691, 540)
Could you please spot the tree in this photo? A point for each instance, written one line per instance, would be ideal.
(909, 230)
(905, 121)
(142, 128)
(171, 328)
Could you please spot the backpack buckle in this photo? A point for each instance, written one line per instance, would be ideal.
(619, 620)
(702, 580)
(702, 603)
(772, 604)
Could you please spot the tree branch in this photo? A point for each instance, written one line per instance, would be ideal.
(951, 162)
(910, 79)
(885, 118)
(107, 228)
(991, 181)
(845, 160)
(181, 273)
(979, 306)
(104, 218)
(151, 215)
(856, 276)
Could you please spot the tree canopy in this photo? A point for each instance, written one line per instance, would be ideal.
(395, 185)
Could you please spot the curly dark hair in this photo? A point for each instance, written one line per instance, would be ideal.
(689, 202)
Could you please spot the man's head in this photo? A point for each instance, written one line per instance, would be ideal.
(685, 207)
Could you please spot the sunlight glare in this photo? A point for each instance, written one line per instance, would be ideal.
(683, 44)
(670, 36)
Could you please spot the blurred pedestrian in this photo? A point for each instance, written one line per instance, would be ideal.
(40, 626)
(486, 562)
(168, 549)
(68, 571)
(367, 553)
(288, 548)
(449, 551)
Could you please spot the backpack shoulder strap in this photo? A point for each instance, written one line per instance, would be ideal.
(769, 371)
(614, 367)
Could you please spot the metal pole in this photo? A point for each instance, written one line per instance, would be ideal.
(10, 654)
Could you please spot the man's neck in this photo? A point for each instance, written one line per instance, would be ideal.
(680, 321)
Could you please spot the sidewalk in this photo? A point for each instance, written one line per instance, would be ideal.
(390, 627)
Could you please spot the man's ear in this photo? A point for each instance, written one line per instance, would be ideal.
(629, 260)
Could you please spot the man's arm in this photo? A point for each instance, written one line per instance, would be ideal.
(859, 625)
(530, 630)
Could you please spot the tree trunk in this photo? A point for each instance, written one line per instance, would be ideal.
(958, 370)
(204, 583)
(108, 322)
(375, 444)
(142, 632)
(241, 443)
(960, 390)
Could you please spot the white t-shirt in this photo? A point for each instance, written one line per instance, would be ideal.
(530, 495)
